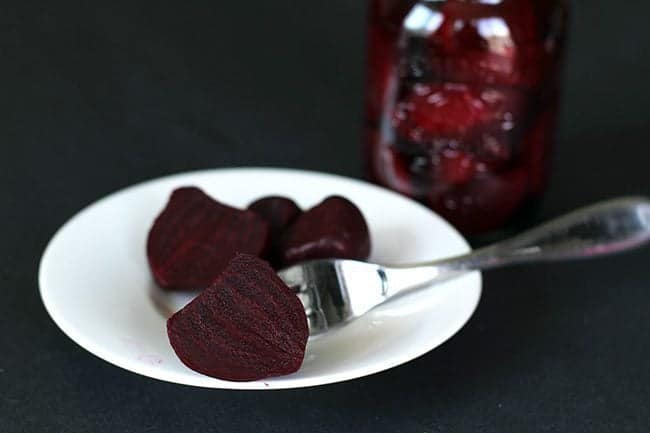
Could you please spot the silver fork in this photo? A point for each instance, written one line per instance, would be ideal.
(336, 291)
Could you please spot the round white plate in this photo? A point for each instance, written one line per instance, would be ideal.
(95, 281)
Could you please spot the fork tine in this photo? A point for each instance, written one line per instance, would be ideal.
(292, 276)
(322, 286)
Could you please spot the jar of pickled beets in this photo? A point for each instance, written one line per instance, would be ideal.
(461, 104)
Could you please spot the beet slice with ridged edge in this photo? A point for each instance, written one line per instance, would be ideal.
(279, 212)
(247, 325)
(335, 228)
(276, 210)
(195, 236)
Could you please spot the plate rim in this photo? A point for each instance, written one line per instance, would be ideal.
(348, 375)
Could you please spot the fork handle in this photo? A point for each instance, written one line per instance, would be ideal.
(605, 228)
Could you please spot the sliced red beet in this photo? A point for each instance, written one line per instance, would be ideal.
(333, 228)
(488, 44)
(482, 204)
(439, 110)
(279, 213)
(195, 237)
(248, 325)
(456, 167)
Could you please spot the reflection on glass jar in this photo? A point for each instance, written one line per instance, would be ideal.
(461, 103)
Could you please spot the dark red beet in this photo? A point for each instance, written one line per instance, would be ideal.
(277, 211)
(486, 44)
(493, 198)
(456, 167)
(334, 228)
(195, 237)
(439, 110)
(430, 114)
(247, 325)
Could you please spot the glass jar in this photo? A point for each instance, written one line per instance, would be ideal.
(461, 103)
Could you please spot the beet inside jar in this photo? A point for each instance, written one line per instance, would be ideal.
(461, 103)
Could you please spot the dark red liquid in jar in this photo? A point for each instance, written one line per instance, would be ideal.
(461, 103)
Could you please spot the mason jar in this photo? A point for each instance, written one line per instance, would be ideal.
(461, 104)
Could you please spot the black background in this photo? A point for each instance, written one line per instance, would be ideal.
(96, 97)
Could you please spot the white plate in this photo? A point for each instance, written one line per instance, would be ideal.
(95, 281)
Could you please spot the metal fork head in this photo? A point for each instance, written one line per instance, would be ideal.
(323, 288)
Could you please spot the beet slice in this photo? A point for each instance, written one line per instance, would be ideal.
(195, 237)
(335, 228)
(247, 325)
(279, 212)
(431, 111)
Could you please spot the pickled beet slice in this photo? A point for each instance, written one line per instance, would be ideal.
(487, 44)
(437, 113)
(484, 204)
(333, 228)
(195, 237)
(439, 110)
(456, 167)
(473, 46)
(493, 149)
(279, 212)
(247, 325)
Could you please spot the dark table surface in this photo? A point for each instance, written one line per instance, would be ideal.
(96, 97)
